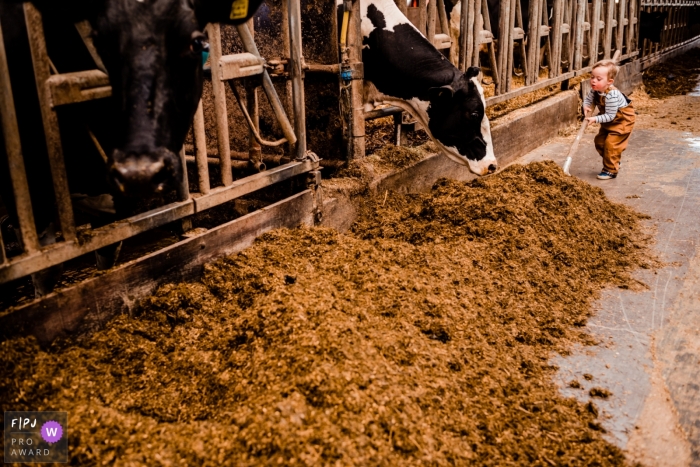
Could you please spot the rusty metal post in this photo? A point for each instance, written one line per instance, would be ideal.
(464, 35)
(287, 84)
(431, 21)
(355, 114)
(18, 175)
(478, 27)
(607, 38)
(533, 37)
(200, 150)
(557, 16)
(509, 53)
(40, 61)
(442, 16)
(578, 43)
(297, 77)
(622, 8)
(504, 37)
(183, 189)
(220, 113)
(595, 31)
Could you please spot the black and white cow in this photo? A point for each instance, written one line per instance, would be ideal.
(403, 68)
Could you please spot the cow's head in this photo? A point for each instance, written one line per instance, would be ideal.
(458, 120)
(152, 50)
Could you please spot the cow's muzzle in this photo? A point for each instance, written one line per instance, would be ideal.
(490, 169)
(144, 174)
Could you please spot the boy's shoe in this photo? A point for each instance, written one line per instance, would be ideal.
(606, 175)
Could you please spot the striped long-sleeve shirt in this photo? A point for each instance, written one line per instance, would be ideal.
(614, 100)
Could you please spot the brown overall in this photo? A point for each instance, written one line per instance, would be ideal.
(612, 138)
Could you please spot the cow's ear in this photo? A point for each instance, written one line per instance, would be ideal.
(226, 11)
(442, 92)
(472, 72)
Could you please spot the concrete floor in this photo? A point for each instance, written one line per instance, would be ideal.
(649, 352)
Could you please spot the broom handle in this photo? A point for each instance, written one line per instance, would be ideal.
(584, 125)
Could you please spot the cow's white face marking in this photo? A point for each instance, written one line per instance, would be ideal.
(482, 167)
(392, 15)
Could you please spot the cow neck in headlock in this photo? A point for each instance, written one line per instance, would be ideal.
(411, 73)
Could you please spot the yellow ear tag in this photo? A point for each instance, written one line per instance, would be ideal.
(239, 9)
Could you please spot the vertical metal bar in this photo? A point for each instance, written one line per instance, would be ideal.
(521, 43)
(492, 44)
(478, 27)
(220, 112)
(431, 20)
(402, 6)
(40, 61)
(595, 32)
(183, 190)
(622, 7)
(463, 34)
(423, 17)
(356, 113)
(533, 37)
(509, 55)
(557, 11)
(295, 74)
(471, 32)
(251, 99)
(547, 49)
(630, 26)
(18, 175)
(287, 83)
(200, 150)
(607, 41)
(578, 44)
(503, 37)
(442, 15)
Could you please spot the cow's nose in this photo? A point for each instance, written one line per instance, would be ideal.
(492, 168)
(135, 176)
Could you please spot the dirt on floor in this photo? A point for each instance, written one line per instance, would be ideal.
(422, 337)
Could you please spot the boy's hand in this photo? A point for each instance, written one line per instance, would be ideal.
(586, 110)
(590, 119)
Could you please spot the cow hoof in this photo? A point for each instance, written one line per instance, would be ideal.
(107, 257)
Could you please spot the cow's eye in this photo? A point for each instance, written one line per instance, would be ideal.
(198, 43)
(475, 115)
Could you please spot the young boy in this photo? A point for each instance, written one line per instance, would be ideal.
(616, 116)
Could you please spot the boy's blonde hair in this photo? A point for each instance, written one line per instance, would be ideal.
(611, 65)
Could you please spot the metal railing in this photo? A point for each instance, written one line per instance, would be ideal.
(56, 90)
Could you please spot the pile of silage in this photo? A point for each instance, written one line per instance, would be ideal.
(673, 77)
(422, 338)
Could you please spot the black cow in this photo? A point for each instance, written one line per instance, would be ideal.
(408, 71)
(651, 25)
(152, 50)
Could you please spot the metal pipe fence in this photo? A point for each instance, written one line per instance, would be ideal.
(56, 90)
(543, 42)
